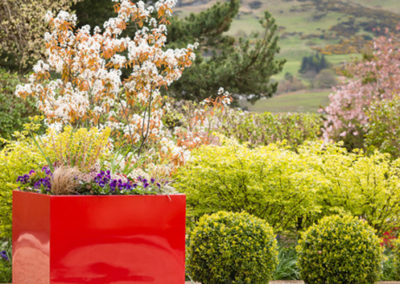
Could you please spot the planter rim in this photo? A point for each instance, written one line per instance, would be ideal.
(99, 196)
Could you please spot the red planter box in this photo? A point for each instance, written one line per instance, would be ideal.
(98, 239)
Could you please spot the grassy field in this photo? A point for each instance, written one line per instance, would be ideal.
(302, 101)
(301, 30)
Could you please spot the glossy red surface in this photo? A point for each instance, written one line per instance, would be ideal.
(98, 239)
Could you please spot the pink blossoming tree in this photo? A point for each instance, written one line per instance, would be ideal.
(375, 78)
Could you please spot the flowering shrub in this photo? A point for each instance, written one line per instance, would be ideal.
(374, 78)
(90, 90)
(340, 250)
(389, 236)
(232, 248)
(292, 189)
(383, 133)
(254, 128)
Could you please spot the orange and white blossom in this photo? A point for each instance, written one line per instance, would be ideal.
(203, 121)
(88, 88)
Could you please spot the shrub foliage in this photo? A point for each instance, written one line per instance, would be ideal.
(232, 248)
(291, 190)
(14, 111)
(383, 127)
(266, 128)
(340, 250)
(15, 159)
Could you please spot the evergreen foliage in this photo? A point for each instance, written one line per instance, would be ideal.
(313, 63)
(243, 67)
(234, 248)
(22, 27)
(340, 250)
(14, 111)
(292, 189)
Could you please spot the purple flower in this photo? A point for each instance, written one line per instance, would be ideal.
(4, 255)
(153, 180)
(23, 179)
(158, 184)
(145, 185)
(113, 184)
(47, 170)
(37, 184)
(31, 172)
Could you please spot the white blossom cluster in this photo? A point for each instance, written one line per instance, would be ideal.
(89, 65)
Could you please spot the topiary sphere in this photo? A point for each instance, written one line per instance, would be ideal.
(228, 247)
(339, 250)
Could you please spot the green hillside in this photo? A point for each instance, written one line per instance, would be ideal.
(341, 29)
(301, 101)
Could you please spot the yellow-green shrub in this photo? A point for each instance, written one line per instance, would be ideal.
(232, 248)
(339, 250)
(265, 128)
(82, 148)
(16, 158)
(269, 182)
(362, 185)
(291, 190)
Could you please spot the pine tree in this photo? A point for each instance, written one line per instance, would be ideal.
(241, 66)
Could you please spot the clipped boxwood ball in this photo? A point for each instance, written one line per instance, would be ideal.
(228, 247)
(339, 250)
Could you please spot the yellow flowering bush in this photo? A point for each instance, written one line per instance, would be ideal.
(339, 250)
(228, 247)
(292, 189)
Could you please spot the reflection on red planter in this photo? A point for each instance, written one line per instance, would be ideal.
(98, 239)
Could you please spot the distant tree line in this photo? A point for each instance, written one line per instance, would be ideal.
(313, 63)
